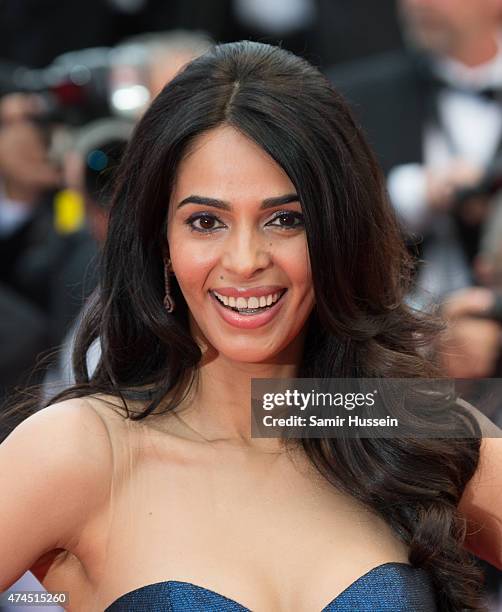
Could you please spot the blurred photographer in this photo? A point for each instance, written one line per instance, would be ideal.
(46, 244)
(150, 60)
(434, 115)
(473, 345)
(42, 267)
(90, 169)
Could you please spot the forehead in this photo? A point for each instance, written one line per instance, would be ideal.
(224, 163)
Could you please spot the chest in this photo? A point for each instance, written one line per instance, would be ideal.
(257, 529)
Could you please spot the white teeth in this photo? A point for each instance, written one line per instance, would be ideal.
(251, 303)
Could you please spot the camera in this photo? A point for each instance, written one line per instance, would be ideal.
(81, 86)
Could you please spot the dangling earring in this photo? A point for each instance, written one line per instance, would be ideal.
(168, 299)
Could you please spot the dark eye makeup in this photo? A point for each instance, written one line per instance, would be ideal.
(205, 222)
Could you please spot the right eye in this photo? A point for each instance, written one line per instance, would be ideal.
(204, 223)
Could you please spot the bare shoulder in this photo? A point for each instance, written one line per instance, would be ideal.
(480, 503)
(71, 430)
(55, 473)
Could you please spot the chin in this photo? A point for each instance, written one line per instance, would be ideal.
(248, 352)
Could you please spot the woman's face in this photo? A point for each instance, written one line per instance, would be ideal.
(238, 248)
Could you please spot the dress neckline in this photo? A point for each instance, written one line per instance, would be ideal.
(241, 607)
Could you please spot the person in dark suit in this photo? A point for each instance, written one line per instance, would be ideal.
(433, 115)
(44, 270)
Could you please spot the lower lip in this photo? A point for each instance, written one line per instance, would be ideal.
(247, 321)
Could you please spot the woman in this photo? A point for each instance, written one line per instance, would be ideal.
(250, 237)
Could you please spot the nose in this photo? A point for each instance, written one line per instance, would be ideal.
(246, 252)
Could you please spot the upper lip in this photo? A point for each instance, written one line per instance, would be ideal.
(250, 292)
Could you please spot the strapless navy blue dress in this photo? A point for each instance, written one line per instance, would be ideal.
(391, 587)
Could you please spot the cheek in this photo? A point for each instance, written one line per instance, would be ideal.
(295, 263)
(192, 262)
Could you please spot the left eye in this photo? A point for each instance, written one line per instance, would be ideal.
(287, 220)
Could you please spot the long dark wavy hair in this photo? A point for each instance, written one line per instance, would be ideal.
(360, 325)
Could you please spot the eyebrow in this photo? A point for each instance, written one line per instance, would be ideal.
(223, 205)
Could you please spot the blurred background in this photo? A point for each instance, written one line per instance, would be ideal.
(424, 78)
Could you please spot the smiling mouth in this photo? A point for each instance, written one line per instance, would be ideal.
(246, 310)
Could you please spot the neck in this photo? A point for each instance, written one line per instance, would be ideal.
(476, 49)
(219, 408)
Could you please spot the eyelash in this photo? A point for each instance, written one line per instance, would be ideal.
(191, 220)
